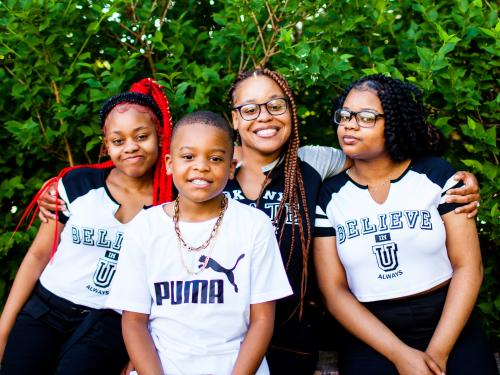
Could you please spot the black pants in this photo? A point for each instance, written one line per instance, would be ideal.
(293, 349)
(414, 320)
(55, 336)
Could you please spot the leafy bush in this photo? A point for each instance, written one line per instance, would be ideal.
(61, 60)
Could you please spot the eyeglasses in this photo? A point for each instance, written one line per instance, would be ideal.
(364, 119)
(251, 111)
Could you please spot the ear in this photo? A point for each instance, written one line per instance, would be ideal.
(168, 164)
(103, 151)
(235, 114)
(232, 168)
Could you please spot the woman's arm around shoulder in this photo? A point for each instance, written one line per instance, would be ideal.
(140, 345)
(257, 339)
(327, 161)
(31, 268)
(359, 320)
(462, 244)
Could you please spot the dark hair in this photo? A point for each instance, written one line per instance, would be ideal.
(407, 133)
(294, 195)
(206, 118)
(128, 98)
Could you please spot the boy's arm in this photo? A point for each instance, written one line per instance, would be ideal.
(27, 276)
(140, 345)
(254, 346)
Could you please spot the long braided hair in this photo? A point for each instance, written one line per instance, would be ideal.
(294, 196)
(148, 94)
(407, 133)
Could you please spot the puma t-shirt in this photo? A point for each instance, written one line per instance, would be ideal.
(199, 317)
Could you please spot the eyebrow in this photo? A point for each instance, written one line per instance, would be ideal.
(223, 150)
(252, 101)
(141, 127)
(362, 109)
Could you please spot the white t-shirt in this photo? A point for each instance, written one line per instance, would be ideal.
(198, 321)
(84, 264)
(396, 248)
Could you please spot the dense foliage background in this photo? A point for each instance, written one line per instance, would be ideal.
(60, 60)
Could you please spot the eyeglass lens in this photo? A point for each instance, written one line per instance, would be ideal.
(274, 107)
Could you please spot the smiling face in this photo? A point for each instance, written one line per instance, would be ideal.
(357, 142)
(267, 134)
(131, 141)
(200, 162)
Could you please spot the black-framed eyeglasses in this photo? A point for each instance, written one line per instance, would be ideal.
(251, 111)
(364, 119)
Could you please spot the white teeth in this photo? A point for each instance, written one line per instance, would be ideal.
(200, 182)
(266, 132)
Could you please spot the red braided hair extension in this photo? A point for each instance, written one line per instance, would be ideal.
(162, 184)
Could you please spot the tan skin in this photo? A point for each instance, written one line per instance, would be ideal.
(263, 140)
(200, 163)
(132, 144)
(372, 166)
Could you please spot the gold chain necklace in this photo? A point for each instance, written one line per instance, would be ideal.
(182, 243)
(204, 263)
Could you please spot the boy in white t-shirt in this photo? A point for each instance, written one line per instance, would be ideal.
(198, 277)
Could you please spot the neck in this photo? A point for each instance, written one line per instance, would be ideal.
(375, 171)
(255, 160)
(199, 211)
(129, 183)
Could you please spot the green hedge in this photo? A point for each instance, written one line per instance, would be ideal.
(60, 60)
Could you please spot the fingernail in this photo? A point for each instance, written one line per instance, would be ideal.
(478, 204)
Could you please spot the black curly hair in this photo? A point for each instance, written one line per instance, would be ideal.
(407, 133)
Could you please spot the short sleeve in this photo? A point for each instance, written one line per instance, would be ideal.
(323, 227)
(441, 173)
(130, 291)
(450, 183)
(327, 161)
(268, 276)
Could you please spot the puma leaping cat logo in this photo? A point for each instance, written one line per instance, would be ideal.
(218, 268)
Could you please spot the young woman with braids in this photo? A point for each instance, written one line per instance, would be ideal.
(55, 320)
(396, 266)
(283, 180)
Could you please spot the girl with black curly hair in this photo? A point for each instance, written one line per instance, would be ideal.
(395, 265)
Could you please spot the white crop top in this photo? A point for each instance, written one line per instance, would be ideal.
(393, 249)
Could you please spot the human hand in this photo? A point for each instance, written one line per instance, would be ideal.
(48, 201)
(128, 369)
(469, 193)
(440, 358)
(415, 362)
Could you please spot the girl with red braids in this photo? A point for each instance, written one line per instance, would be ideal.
(55, 320)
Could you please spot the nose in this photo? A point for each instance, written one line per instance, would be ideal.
(131, 145)
(352, 123)
(264, 114)
(201, 164)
